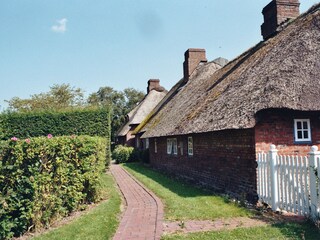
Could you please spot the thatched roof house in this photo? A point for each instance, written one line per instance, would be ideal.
(213, 121)
(154, 95)
(281, 72)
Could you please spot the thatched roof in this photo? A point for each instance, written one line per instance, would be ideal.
(281, 72)
(141, 111)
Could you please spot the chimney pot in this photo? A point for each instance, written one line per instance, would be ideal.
(192, 58)
(277, 12)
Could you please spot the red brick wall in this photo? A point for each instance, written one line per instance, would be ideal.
(223, 161)
(277, 127)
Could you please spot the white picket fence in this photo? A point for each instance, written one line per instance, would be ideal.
(290, 183)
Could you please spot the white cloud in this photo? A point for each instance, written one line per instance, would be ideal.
(61, 26)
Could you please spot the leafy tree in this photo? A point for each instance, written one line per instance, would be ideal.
(132, 96)
(59, 97)
(121, 103)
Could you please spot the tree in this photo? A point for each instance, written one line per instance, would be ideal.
(59, 97)
(133, 97)
(121, 102)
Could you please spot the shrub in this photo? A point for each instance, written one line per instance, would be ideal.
(93, 122)
(122, 154)
(140, 156)
(44, 178)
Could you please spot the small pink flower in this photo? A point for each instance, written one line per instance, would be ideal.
(27, 140)
(49, 136)
(14, 139)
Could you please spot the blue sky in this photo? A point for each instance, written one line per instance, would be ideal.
(118, 43)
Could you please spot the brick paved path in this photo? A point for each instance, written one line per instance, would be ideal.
(143, 217)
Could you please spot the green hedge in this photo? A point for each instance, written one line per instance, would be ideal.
(44, 178)
(122, 154)
(93, 122)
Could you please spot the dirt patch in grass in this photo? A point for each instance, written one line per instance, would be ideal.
(269, 218)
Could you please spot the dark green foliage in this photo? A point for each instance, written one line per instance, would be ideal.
(140, 156)
(42, 179)
(122, 154)
(93, 122)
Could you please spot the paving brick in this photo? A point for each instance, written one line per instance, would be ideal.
(143, 217)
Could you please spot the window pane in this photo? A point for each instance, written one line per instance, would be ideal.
(298, 125)
(305, 134)
(299, 134)
(175, 146)
(169, 146)
(305, 125)
(190, 146)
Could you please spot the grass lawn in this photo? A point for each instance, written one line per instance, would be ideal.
(283, 231)
(184, 202)
(99, 223)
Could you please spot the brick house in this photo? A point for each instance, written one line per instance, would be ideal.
(212, 123)
(154, 95)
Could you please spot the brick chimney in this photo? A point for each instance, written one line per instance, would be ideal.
(277, 12)
(192, 58)
(153, 84)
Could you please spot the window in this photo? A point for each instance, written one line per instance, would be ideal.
(302, 130)
(169, 145)
(175, 146)
(155, 146)
(147, 143)
(190, 146)
(172, 147)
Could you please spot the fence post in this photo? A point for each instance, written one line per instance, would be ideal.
(313, 155)
(274, 177)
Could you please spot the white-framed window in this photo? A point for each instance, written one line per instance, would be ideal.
(302, 130)
(172, 147)
(155, 146)
(147, 143)
(190, 146)
(175, 146)
(169, 145)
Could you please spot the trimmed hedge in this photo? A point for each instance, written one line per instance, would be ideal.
(93, 122)
(44, 178)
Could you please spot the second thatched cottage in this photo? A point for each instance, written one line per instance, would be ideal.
(210, 125)
(155, 93)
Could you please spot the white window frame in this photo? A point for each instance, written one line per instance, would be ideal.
(175, 146)
(190, 146)
(172, 146)
(155, 146)
(302, 130)
(169, 145)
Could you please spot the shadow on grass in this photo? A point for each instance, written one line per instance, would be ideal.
(176, 186)
(305, 231)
